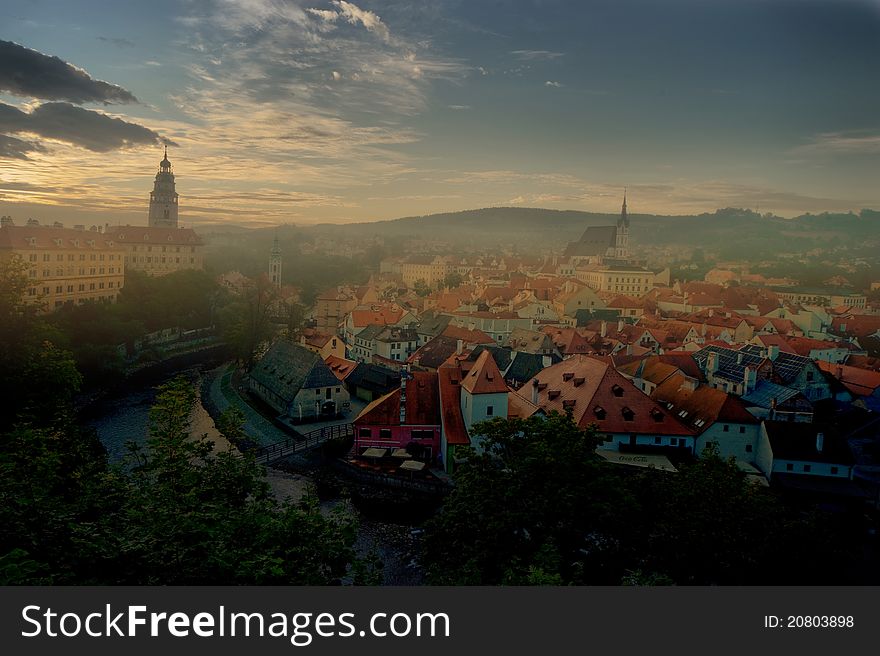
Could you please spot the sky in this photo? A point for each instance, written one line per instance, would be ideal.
(310, 111)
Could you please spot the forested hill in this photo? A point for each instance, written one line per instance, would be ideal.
(543, 226)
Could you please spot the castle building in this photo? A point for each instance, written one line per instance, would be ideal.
(66, 266)
(164, 197)
(161, 247)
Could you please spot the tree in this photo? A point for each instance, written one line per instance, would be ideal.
(196, 515)
(245, 324)
(296, 318)
(536, 506)
(453, 280)
(421, 287)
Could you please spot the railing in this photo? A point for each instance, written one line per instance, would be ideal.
(432, 486)
(301, 442)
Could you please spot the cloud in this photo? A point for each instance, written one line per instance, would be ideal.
(31, 74)
(353, 15)
(842, 143)
(77, 126)
(536, 55)
(552, 83)
(12, 148)
(119, 43)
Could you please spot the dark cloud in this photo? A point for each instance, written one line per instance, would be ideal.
(31, 74)
(12, 148)
(75, 125)
(119, 43)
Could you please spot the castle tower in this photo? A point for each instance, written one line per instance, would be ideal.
(275, 263)
(163, 198)
(621, 247)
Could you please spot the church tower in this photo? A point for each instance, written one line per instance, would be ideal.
(163, 199)
(275, 264)
(621, 246)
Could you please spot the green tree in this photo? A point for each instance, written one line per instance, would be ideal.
(536, 506)
(453, 280)
(245, 323)
(421, 287)
(195, 515)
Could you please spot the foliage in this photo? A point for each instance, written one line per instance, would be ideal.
(421, 287)
(245, 323)
(453, 280)
(537, 507)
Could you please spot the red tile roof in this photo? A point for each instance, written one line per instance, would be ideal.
(484, 376)
(703, 405)
(422, 404)
(466, 335)
(148, 235)
(450, 405)
(861, 382)
(340, 367)
(598, 394)
(49, 238)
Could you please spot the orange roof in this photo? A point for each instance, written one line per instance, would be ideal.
(150, 235)
(450, 405)
(382, 316)
(422, 404)
(340, 367)
(466, 335)
(49, 238)
(861, 382)
(598, 394)
(484, 376)
(702, 406)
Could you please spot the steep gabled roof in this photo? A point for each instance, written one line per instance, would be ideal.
(287, 368)
(422, 404)
(484, 376)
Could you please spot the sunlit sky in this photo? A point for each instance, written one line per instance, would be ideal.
(307, 111)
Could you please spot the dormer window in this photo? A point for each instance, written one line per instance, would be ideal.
(617, 390)
(567, 376)
(58, 242)
(579, 380)
(599, 411)
(568, 403)
(553, 394)
(628, 414)
(657, 414)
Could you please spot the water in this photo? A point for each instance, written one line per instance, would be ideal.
(123, 417)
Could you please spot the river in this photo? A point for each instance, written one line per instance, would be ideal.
(123, 416)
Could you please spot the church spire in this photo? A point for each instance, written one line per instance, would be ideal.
(275, 263)
(624, 219)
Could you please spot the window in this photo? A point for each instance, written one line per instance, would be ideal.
(365, 432)
(789, 467)
(317, 392)
(726, 428)
(658, 440)
(807, 468)
(742, 430)
(385, 433)
(674, 441)
(834, 470)
(337, 390)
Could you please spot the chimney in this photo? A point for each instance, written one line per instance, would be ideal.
(32, 223)
(750, 380)
(773, 352)
(689, 384)
(712, 362)
(820, 442)
(604, 328)
(535, 391)
(711, 313)
(773, 408)
(459, 347)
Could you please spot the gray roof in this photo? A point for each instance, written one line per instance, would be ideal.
(287, 368)
(732, 362)
(371, 332)
(765, 391)
(433, 324)
(395, 334)
(596, 240)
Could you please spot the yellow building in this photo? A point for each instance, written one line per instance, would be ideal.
(159, 251)
(66, 265)
(617, 278)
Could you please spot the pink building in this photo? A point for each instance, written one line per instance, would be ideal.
(407, 418)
